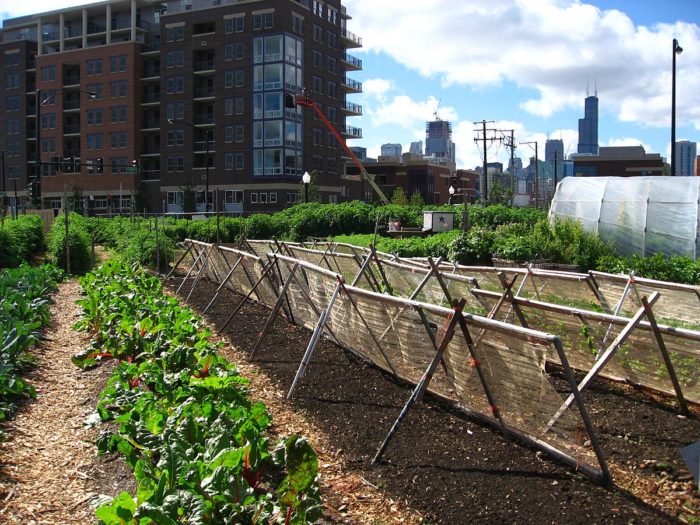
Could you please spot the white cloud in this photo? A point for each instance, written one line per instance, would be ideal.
(403, 111)
(551, 46)
(377, 88)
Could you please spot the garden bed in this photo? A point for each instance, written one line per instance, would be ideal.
(450, 469)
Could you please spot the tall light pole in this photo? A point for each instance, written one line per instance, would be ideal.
(452, 194)
(206, 174)
(677, 50)
(306, 178)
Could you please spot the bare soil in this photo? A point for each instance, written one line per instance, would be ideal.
(444, 468)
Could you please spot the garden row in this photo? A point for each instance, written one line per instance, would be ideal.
(181, 416)
(521, 234)
(24, 310)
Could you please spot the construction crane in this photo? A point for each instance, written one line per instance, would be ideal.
(305, 101)
(437, 107)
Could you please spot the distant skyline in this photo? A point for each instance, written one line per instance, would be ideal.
(524, 64)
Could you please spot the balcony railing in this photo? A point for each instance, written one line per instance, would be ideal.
(150, 97)
(204, 65)
(71, 80)
(69, 129)
(352, 132)
(204, 119)
(96, 28)
(204, 92)
(150, 123)
(354, 109)
(71, 103)
(352, 62)
(351, 38)
(352, 85)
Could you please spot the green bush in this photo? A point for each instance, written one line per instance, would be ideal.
(140, 247)
(474, 247)
(80, 244)
(679, 269)
(20, 239)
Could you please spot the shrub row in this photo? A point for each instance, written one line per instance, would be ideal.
(24, 310)
(182, 416)
(20, 239)
(80, 244)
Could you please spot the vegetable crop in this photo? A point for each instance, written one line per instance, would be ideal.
(24, 310)
(182, 417)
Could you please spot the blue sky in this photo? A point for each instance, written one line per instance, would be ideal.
(526, 64)
(522, 63)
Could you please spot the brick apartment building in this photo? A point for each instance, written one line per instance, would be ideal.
(159, 98)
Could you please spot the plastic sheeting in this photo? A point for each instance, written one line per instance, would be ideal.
(639, 215)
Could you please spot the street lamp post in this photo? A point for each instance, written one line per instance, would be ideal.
(452, 194)
(306, 178)
(677, 50)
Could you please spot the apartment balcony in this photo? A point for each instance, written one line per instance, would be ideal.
(350, 39)
(351, 86)
(351, 109)
(94, 28)
(204, 120)
(351, 63)
(204, 67)
(71, 80)
(204, 93)
(150, 123)
(150, 98)
(351, 132)
(71, 129)
(71, 104)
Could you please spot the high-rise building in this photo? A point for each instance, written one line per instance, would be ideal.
(438, 143)
(392, 150)
(686, 151)
(158, 98)
(554, 148)
(588, 127)
(416, 148)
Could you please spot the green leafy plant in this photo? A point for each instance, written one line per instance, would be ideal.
(181, 415)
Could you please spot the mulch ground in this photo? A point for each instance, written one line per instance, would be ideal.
(444, 468)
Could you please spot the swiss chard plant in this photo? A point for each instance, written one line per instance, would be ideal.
(24, 311)
(181, 416)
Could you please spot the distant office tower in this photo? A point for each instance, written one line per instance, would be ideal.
(392, 150)
(686, 151)
(416, 148)
(438, 143)
(588, 127)
(359, 152)
(554, 148)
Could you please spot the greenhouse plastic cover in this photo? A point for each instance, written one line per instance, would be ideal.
(639, 215)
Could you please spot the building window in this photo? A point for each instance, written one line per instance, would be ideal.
(117, 164)
(175, 85)
(176, 137)
(318, 137)
(228, 161)
(240, 161)
(117, 89)
(273, 132)
(96, 90)
(318, 58)
(273, 48)
(176, 164)
(273, 198)
(233, 196)
(273, 105)
(318, 33)
(12, 80)
(273, 161)
(317, 85)
(175, 58)
(175, 197)
(12, 59)
(48, 73)
(298, 23)
(240, 133)
(94, 141)
(257, 105)
(93, 66)
(317, 7)
(117, 139)
(262, 198)
(117, 64)
(333, 114)
(253, 198)
(239, 106)
(233, 78)
(175, 34)
(332, 65)
(228, 134)
(94, 117)
(292, 198)
(175, 111)
(236, 24)
(258, 162)
(234, 51)
(117, 114)
(332, 40)
(228, 106)
(48, 121)
(332, 15)
(273, 76)
(258, 134)
(332, 89)
(263, 20)
(48, 145)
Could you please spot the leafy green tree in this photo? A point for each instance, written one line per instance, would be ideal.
(500, 194)
(76, 200)
(399, 196)
(417, 198)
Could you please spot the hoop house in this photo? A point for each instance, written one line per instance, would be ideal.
(640, 215)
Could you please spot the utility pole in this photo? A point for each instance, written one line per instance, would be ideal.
(556, 157)
(486, 139)
(510, 143)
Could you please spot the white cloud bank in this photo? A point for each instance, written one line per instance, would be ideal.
(551, 46)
